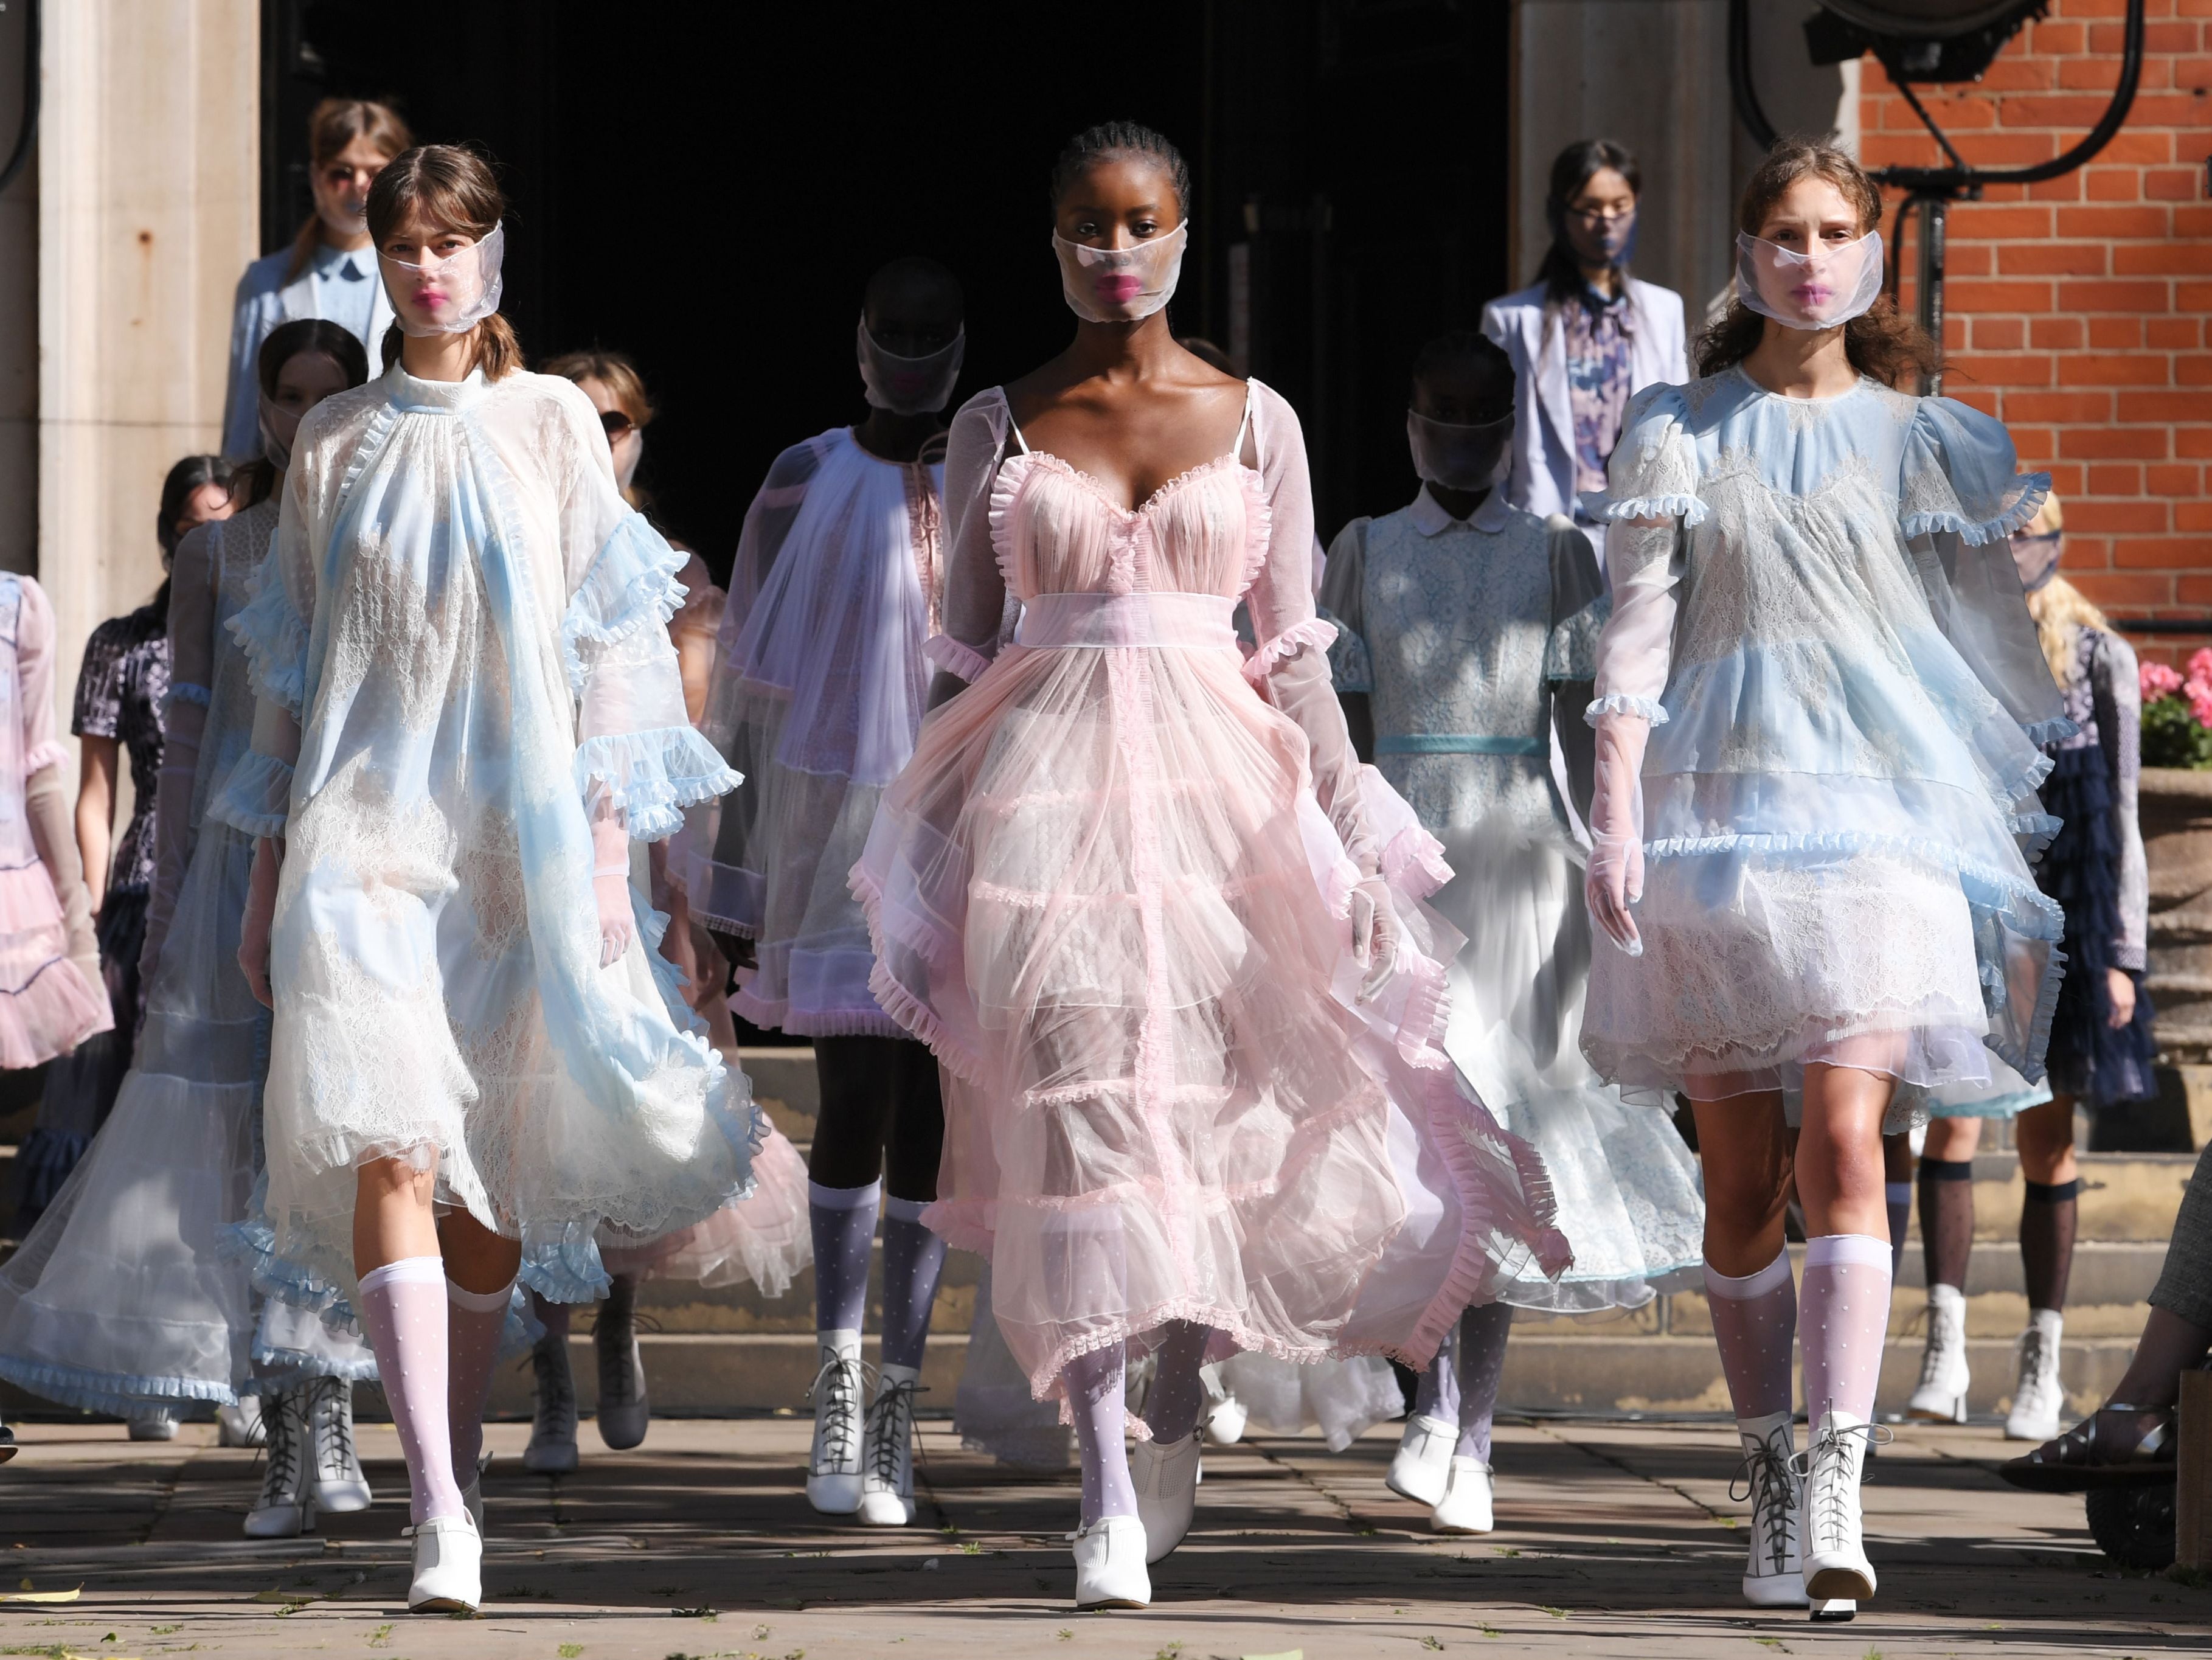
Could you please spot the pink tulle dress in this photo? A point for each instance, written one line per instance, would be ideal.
(47, 1004)
(1111, 890)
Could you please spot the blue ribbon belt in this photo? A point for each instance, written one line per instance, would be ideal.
(1457, 743)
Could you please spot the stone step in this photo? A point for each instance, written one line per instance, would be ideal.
(715, 1375)
(682, 1309)
(2126, 1196)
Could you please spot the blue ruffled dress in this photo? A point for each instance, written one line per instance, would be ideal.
(1826, 629)
(460, 649)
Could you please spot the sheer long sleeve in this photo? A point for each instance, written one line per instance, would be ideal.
(191, 675)
(975, 589)
(2116, 690)
(637, 752)
(1344, 602)
(272, 628)
(49, 802)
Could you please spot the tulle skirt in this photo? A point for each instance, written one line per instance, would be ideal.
(1103, 892)
(762, 1240)
(81, 1085)
(47, 1007)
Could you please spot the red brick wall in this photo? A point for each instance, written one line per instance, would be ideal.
(2075, 310)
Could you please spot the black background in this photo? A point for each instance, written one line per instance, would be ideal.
(707, 186)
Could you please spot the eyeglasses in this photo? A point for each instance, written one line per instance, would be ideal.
(1601, 216)
(616, 422)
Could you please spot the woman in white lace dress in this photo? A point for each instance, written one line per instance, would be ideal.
(1820, 698)
(469, 709)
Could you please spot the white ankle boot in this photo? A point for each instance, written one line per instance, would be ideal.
(1165, 1476)
(1836, 1565)
(2038, 1396)
(887, 1454)
(341, 1485)
(1109, 1564)
(1465, 1504)
(448, 1566)
(1944, 1379)
(833, 1465)
(1224, 1417)
(286, 1506)
(552, 1449)
(1774, 1577)
(238, 1425)
(1422, 1466)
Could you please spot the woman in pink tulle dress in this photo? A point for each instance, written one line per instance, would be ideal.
(1161, 928)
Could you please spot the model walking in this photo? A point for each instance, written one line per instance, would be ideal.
(1155, 920)
(1468, 632)
(1820, 703)
(469, 710)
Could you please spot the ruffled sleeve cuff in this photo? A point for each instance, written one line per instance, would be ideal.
(1571, 649)
(1609, 508)
(2014, 508)
(631, 585)
(652, 776)
(273, 638)
(1313, 631)
(257, 797)
(963, 661)
(1620, 703)
(42, 756)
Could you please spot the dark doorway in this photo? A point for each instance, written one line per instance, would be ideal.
(707, 186)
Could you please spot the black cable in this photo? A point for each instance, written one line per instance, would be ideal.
(30, 124)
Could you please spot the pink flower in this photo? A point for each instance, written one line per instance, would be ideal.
(2199, 701)
(2200, 664)
(2158, 681)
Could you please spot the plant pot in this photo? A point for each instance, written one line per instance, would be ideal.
(2176, 808)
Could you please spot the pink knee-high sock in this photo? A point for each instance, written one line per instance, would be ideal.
(1846, 1317)
(1755, 1320)
(473, 1322)
(403, 1310)
(1094, 1385)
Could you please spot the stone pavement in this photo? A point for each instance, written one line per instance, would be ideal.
(1614, 1539)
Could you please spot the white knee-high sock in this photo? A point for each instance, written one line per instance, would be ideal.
(1755, 1320)
(473, 1322)
(1846, 1298)
(403, 1310)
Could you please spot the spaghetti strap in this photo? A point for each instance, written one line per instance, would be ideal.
(1012, 425)
(1243, 426)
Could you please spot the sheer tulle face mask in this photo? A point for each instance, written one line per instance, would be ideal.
(1595, 241)
(1808, 290)
(1121, 285)
(450, 295)
(2036, 557)
(909, 386)
(1456, 458)
(279, 427)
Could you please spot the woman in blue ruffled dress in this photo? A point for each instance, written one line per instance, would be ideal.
(469, 710)
(1820, 703)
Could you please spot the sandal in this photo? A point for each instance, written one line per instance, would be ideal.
(2081, 1459)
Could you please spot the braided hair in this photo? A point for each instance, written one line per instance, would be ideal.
(1120, 138)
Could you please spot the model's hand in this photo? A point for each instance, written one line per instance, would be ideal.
(1615, 883)
(1616, 877)
(1376, 934)
(2120, 986)
(617, 920)
(260, 912)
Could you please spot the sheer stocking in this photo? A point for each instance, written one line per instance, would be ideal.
(1172, 1406)
(474, 1321)
(1436, 1391)
(1846, 1318)
(914, 1258)
(1096, 1383)
(1482, 1334)
(844, 1225)
(2046, 1240)
(1947, 1219)
(1754, 1324)
(403, 1310)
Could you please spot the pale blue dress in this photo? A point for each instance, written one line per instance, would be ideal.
(1827, 631)
(462, 654)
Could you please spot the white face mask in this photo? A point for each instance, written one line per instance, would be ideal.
(1457, 458)
(1808, 290)
(279, 427)
(459, 292)
(909, 386)
(1121, 285)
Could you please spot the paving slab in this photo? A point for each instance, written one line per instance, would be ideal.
(1614, 1538)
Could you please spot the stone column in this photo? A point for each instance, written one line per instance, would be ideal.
(148, 211)
(19, 314)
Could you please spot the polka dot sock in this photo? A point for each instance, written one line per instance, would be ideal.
(403, 1308)
(1847, 1317)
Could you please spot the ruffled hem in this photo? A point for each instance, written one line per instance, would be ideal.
(275, 639)
(1604, 506)
(2035, 488)
(183, 691)
(257, 797)
(1621, 702)
(779, 1016)
(2056, 730)
(120, 1395)
(55, 1009)
(964, 661)
(1413, 851)
(653, 775)
(42, 756)
(285, 1368)
(1313, 631)
(631, 585)
(1258, 528)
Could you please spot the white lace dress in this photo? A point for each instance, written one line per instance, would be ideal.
(1827, 633)
(463, 644)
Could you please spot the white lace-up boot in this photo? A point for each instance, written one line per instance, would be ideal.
(286, 1507)
(156, 1424)
(239, 1424)
(623, 1412)
(1944, 1379)
(341, 1485)
(1774, 1577)
(448, 1566)
(1421, 1469)
(833, 1465)
(1836, 1565)
(887, 1457)
(1109, 1564)
(2038, 1396)
(1165, 1476)
(552, 1449)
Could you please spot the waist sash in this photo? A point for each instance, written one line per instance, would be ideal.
(1184, 621)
